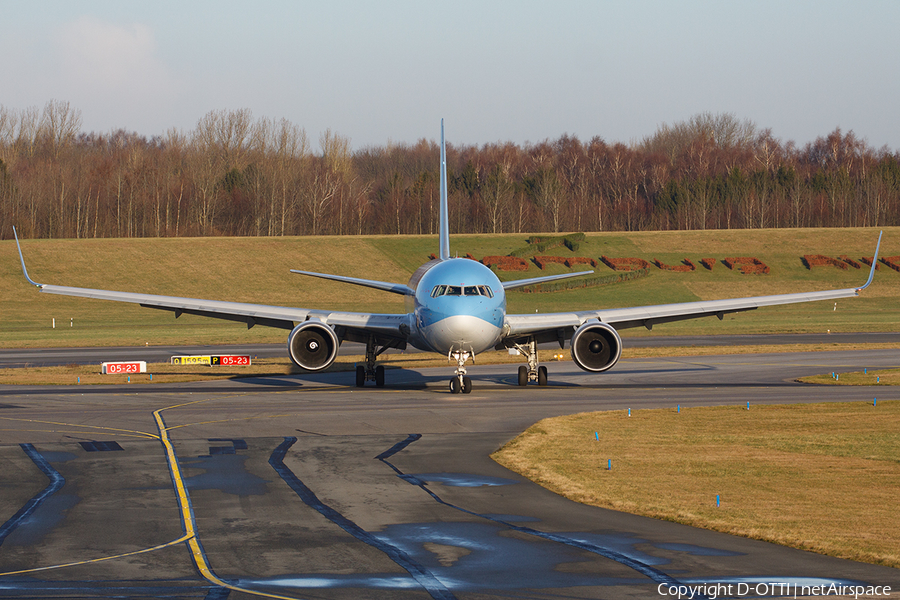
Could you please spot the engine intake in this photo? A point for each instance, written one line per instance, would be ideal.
(596, 347)
(313, 346)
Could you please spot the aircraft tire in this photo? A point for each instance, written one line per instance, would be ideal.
(542, 376)
(523, 375)
(466, 385)
(360, 376)
(454, 385)
(379, 376)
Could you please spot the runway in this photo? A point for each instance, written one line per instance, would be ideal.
(49, 357)
(304, 487)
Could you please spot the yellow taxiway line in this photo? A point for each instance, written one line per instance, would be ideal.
(127, 432)
(187, 513)
(97, 560)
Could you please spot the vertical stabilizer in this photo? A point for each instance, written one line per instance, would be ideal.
(444, 226)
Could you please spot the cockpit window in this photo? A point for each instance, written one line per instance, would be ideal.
(456, 290)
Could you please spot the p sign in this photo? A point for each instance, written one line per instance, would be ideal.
(119, 368)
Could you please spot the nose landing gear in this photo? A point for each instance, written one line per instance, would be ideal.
(460, 383)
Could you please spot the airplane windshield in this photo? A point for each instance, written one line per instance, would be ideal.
(457, 290)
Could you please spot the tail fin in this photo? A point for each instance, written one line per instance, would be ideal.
(444, 226)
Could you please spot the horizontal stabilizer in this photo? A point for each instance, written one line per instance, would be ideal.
(511, 285)
(395, 288)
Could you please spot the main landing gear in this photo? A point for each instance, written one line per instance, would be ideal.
(532, 372)
(371, 372)
(460, 383)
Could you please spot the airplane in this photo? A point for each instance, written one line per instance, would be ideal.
(457, 308)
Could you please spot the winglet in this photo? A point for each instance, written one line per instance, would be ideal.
(24, 270)
(444, 226)
(874, 265)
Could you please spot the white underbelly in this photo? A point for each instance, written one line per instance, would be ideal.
(460, 332)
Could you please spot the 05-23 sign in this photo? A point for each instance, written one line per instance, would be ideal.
(225, 360)
(122, 367)
(231, 361)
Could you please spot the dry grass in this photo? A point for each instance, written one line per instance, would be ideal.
(157, 373)
(755, 349)
(868, 377)
(257, 270)
(817, 477)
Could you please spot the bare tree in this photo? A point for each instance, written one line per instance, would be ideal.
(59, 125)
(496, 194)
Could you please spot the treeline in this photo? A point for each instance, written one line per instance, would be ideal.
(236, 175)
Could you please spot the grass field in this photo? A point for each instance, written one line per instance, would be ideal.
(817, 477)
(867, 377)
(257, 270)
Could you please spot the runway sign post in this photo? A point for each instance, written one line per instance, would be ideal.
(118, 368)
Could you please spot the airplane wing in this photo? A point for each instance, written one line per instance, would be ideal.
(553, 326)
(389, 328)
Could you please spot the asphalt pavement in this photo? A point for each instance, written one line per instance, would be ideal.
(307, 487)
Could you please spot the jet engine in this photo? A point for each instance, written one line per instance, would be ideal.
(313, 346)
(596, 346)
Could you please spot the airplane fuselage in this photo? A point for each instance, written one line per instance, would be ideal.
(459, 306)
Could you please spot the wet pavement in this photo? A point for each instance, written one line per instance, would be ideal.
(306, 488)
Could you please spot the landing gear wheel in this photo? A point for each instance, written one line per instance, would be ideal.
(523, 375)
(454, 385)
(379, 376)
(360, 376)
(466, 385)
(542, 375)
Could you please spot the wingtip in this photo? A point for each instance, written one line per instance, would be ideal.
(874, 264)
(22, 260)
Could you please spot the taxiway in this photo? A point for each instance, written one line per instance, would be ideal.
(304, 487)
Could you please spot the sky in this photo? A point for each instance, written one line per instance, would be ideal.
(386, 71)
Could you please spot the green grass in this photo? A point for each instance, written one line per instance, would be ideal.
(817, 477)
(257, 270)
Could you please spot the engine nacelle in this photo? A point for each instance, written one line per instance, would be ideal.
(313, 346)
(596, 346)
